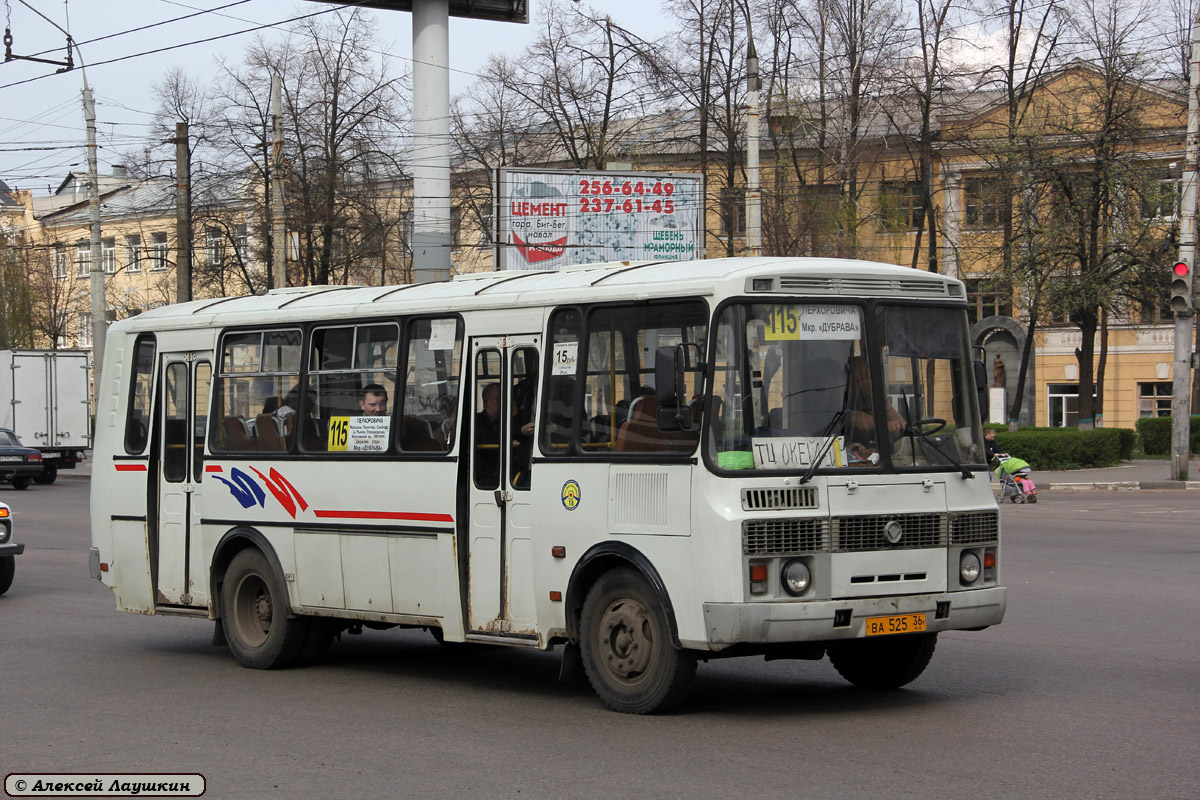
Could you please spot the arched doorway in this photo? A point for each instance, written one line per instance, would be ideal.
(1003, 340)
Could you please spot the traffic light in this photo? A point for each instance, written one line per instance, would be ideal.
(1181, 288)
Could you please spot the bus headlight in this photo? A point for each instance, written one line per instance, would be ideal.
(796, 577)
(968, 568)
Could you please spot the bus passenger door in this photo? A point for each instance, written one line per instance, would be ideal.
(500, 559)
(179, 570)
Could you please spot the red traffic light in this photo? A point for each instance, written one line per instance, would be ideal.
(1181, 268)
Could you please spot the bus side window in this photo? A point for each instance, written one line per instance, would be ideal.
(137, 418)
(255, 389)
(558, 417)
(430, 387)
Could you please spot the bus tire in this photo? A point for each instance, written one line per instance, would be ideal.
(8, 568)
(48, 475)
(625, 641)
(254, 614)
(886, 663)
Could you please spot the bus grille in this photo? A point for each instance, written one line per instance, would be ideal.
(975, 527)
(778, 499)
(769, 537)
(858, 534)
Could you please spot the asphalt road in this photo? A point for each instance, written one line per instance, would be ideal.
(1088, 690)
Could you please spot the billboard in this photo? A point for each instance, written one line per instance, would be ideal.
(548, 219)
(498, 10)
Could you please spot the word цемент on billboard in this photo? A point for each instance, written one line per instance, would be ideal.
(551, 219)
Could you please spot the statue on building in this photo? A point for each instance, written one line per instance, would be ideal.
(999, 372)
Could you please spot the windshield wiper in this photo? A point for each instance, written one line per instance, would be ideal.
(829, 440)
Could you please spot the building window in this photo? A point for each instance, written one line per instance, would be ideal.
(61, 264)
(214, 246)
(1062, 404)
(981, 202)
(733, 216)
(901, 207)
(158, 252)
(85, 330)
(1154, 399)
(83, 260)
(987, 298)
(108, 254)
(133, 253)
(241, 243)
(456, 218)
(1160, 195)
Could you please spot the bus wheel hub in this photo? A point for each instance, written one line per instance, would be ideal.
(628, 636)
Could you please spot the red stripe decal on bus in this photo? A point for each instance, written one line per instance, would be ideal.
(213, 468)
(384, 515)
(130, 467)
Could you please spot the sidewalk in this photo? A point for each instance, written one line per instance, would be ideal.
(1129, 475)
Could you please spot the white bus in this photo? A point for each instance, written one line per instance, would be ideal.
(650, 464)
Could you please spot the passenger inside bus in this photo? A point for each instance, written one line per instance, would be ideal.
(524, 401)
(860, 419)
(373, 402)
(487, 438)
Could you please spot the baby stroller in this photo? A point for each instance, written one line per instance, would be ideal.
(1016, 479)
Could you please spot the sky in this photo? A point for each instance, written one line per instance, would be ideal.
(41, 114)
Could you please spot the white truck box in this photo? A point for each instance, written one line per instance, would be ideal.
(45, 397)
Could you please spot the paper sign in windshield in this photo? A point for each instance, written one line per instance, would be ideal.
(359, 434)
(822, 322)
(796, 452)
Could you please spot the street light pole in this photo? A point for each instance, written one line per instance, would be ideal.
(753, 192)
(1181, 392)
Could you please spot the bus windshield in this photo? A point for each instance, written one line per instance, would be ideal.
(797, 386)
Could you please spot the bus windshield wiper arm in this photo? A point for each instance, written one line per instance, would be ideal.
(829, 440)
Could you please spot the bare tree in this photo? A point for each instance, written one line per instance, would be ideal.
(342, 120)
(1100, 229)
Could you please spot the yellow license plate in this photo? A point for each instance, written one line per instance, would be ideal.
(901, 623)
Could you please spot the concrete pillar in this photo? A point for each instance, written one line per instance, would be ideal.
(431, 140)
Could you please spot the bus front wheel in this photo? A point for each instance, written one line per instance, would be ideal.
(886, 663)
(254, 614)
(625, 641)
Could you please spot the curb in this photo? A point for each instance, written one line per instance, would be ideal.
(1122, 486)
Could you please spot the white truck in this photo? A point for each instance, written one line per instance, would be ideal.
(45, 398)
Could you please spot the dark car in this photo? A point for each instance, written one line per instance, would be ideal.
(18, 463)
(9, 550)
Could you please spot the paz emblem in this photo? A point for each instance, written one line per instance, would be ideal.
(893, 531)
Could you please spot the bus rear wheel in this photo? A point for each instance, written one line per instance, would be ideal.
(625, 641)
(254, 614)
(886, 663)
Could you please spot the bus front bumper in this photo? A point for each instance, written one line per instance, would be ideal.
(826, 620)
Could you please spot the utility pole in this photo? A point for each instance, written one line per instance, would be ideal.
(753, 192)
(278, 224)
(98, 307)
(1184, 308)
(183, 214)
